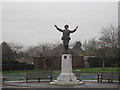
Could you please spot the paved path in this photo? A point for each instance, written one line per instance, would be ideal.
(45, 84)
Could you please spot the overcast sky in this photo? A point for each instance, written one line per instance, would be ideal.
(30, 23)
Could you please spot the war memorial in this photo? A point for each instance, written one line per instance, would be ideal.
(66, 77)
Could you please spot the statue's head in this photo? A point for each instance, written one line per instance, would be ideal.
(66, 26)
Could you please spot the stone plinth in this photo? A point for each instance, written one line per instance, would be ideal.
(66, 77)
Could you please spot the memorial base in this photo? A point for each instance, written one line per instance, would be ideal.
(66, 77)
(56, 82)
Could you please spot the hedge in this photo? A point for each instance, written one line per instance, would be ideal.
(8, 67)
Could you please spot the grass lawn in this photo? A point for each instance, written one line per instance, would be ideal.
(23, 71)
(97, 70)
(106, 69)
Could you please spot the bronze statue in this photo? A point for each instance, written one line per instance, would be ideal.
(66, 33)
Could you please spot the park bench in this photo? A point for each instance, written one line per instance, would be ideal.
(86, 75)
(39, 76)
(110, 76)
(5, 78)
(115, 76)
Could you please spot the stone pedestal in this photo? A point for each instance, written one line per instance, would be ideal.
(66, 77)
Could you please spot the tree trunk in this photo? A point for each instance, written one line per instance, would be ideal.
(44, 66)
(103, 64)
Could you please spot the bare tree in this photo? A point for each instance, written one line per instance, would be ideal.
(108, 42)
(42, 51)
(17, 49)
(109, 39)
(85, 45)
(91, 46)
(110, 36)
(105, 46)
(39, 50)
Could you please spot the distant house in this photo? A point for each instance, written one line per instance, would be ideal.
(53, 60)
(77, 50)
(25, 60)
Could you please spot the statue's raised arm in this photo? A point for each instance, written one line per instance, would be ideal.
(74, 30)
(58, 28)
